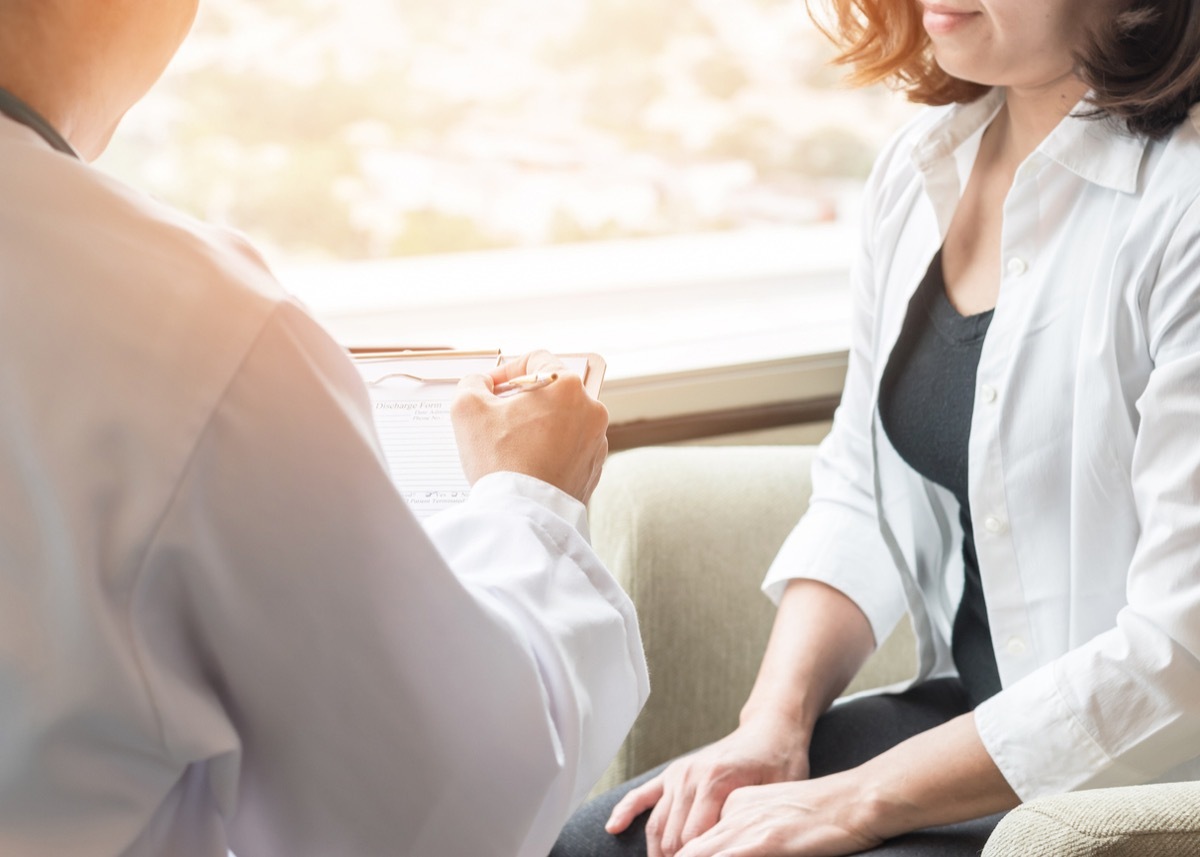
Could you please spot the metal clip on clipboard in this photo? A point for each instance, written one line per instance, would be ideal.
(590, 367)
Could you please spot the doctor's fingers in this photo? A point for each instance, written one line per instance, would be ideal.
(555, 432)
(531, 363)
(477, 385)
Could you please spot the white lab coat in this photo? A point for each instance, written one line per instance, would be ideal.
(220, 625)
(1084, 458)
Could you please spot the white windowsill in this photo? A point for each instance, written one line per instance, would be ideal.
(686, 324)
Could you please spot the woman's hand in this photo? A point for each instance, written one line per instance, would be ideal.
(819, 641)
(941, 776)
(826, 817)
(688, 797)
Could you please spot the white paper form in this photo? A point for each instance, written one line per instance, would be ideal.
(413, 421)
(410, 398)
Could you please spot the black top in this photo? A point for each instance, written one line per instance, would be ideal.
(925, 404)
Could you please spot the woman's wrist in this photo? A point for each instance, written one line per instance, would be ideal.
(866, 806)
(877, 801)
(942, 776)
(785, 734)
(790, 716)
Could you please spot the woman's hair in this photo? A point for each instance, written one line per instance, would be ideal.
(1142, 64)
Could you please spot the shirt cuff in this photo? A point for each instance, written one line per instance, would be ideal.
(503, 486)
(1038, 743)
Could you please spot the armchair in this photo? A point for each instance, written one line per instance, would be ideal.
(689, 532)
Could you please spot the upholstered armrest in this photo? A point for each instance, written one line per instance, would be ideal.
(1138, 821)
(689, 532)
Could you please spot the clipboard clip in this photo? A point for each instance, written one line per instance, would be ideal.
(419, 378)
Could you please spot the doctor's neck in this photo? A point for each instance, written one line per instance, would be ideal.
(81, 64)
(51, 74)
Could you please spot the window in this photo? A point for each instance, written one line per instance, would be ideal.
(435, 169)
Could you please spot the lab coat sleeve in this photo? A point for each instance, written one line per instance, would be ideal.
(574, 654)
(839, 541)
(353, 682)
(1124, 708)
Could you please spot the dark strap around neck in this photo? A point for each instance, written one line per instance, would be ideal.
(17, 110)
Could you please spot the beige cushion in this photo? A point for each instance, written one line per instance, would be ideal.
(1138, 821)
(689, 532)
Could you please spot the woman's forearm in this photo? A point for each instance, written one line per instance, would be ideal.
(941, 776)
(819, 641)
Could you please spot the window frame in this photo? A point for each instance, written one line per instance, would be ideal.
(758, 337)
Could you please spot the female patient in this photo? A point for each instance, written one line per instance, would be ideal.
(1014, 461)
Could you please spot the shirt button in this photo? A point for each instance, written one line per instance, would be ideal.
(1015, 646)
(994, 525)
(1017, 266)
(988, 393)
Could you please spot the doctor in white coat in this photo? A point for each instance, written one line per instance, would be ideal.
(220, 625)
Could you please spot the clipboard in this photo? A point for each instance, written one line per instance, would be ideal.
(435, 365)
(411, 391)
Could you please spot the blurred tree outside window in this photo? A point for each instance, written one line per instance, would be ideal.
(377, 129)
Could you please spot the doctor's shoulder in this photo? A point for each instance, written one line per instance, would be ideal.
(220, 257)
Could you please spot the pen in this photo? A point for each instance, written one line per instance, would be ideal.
(523, 383)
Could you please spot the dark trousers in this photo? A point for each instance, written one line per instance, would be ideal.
(846, 736)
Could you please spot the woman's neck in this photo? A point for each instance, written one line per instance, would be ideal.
(1031, 113)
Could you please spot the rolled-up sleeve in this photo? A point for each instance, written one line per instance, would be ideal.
(839, 541)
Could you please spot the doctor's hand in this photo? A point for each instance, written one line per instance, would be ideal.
(688, 798)
(556, 432)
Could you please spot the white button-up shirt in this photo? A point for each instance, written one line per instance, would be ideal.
(1084, 457)
(220, 625)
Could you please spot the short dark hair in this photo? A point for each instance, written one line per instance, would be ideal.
(1142, 64)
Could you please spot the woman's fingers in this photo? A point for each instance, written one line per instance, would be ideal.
(671, 834)
(704, 812)
(637, 801)
(656, 823)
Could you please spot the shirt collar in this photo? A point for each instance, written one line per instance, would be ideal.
(955, 127)
(1098, 150)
